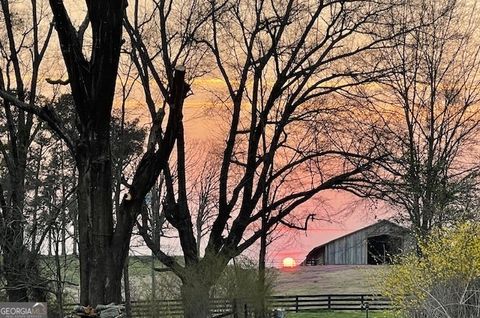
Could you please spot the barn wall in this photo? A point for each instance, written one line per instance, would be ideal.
(352, 249)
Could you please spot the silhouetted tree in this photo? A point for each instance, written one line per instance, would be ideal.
(23, 44)
(282, 64)
(103, 243)
(426, 112)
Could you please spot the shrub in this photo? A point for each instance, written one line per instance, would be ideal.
(443, 279)
(239, 283)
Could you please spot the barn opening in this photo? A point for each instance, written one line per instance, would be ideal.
(382, 249)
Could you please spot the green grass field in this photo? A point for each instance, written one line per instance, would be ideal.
(342, 314)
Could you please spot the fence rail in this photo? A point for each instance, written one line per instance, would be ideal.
(331, 302)
(220, 307)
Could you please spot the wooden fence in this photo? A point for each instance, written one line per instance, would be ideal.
(298, 303)
(330, 302)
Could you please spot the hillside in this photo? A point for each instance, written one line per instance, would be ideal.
(329, 279)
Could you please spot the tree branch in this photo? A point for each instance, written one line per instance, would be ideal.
(45, 113)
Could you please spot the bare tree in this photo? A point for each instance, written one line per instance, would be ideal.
(23, 44)
(281, 63)
(103, 243)
(427, 113)
(127, 146)
(203, 195)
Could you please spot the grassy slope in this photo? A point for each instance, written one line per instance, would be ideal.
(301, 280)
(344, 279)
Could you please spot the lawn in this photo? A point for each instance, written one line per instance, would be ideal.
(342, 314)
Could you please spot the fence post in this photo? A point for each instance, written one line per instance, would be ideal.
(329, 302)
(235, 313)
(296, 303)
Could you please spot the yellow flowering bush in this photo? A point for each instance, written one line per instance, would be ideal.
(442, 277)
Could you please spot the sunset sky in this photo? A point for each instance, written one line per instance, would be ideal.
(222, 141)
(338, 212)
(347, 214)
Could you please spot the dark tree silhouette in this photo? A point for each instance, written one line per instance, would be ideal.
(103, 243)
(283, 65)
(19, 75)
(427, 114)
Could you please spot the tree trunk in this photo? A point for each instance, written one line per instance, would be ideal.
(38, 285)
(16, 294)
(261, 269)
(74, 217)
(199, 236)
(126, 284)
(12, 243)
(59, 284)
(195, 299)
(16, 289)
(101, 272)
(15, 260)
(197, 281)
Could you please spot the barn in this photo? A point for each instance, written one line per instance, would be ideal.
(373, 244)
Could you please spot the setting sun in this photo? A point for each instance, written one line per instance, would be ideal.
(289, 262)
